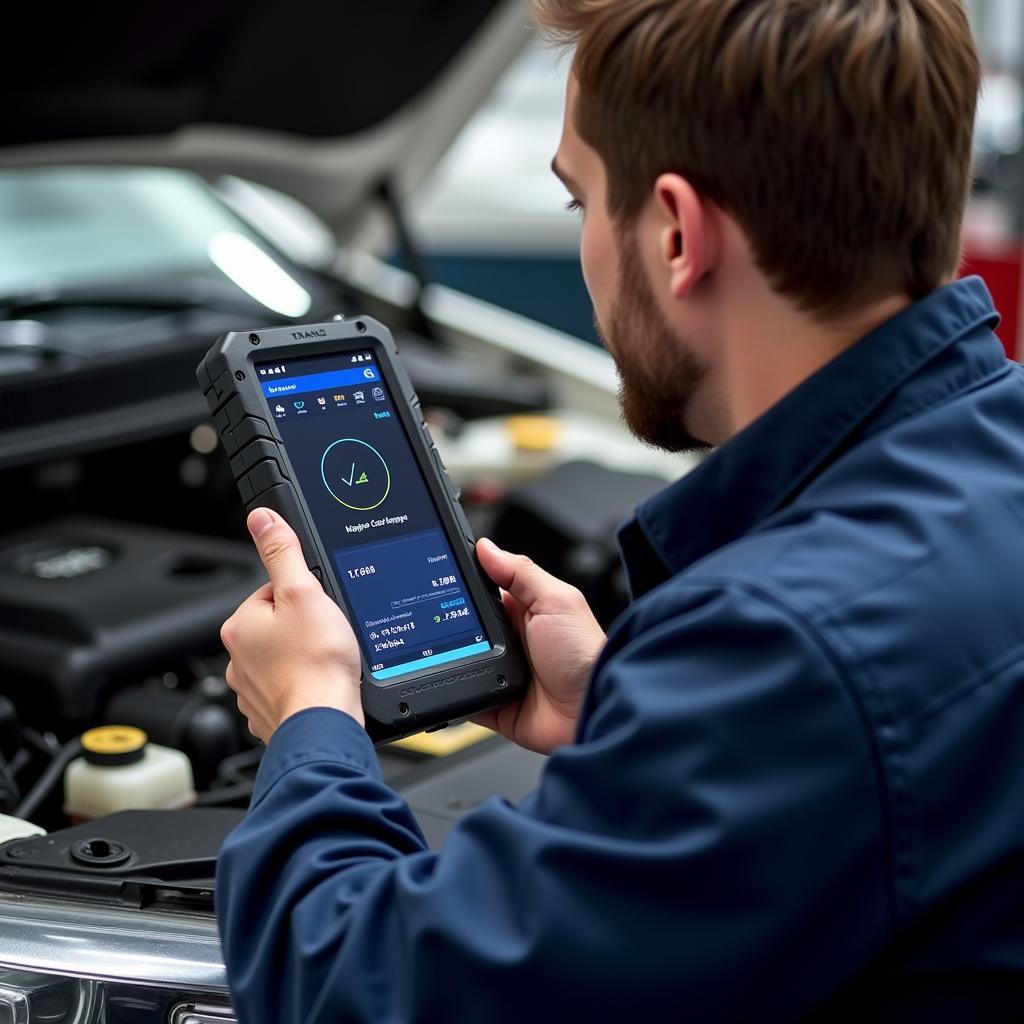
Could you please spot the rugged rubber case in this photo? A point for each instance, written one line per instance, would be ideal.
(430, 698)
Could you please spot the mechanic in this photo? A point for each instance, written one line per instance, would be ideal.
(790, 783)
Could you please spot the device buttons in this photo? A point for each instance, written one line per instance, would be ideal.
(282, 499)
(455, 493)
(449, 486)
(230, 414)
(220, 384)
(467, 530)
(248, 429)
(253, 453)
(222, 421)
(245, 489)
(429, 438)
(263, 476)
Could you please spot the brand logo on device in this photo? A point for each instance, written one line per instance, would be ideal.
(447, 681)
(300, 335)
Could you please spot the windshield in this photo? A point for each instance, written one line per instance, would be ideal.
(72, 227)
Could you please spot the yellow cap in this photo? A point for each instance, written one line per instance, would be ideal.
(114, 744)
(534, 433)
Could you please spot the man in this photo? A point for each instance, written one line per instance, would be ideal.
(791, 782)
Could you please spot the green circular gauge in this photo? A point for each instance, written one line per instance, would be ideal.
(355, 474)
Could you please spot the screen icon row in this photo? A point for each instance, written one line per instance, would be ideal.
(340, 401)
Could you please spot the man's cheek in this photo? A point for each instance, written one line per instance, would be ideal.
(590, 265)
(598, 275)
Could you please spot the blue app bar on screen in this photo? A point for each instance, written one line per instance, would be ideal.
(320, 381)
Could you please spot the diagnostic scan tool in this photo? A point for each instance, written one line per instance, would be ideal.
(322, 425)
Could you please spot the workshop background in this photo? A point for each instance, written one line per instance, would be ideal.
(490, 218)
(166, 178)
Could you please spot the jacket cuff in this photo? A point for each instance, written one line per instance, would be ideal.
(315, 735)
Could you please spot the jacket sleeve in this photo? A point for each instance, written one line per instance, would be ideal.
(714, 843)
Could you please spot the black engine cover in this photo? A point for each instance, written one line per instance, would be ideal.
(87, 603)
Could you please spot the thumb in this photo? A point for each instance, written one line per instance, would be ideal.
(526, 581)
(279, 549)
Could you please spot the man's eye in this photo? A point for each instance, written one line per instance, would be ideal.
(573, 205)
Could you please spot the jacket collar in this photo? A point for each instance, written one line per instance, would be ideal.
(877, 381)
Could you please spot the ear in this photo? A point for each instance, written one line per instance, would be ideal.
(688, 241)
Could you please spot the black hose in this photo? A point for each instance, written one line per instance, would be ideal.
(233, 768)
(39, 742)
(20, 761)
(226, 795)
(9, 792)
(52, 774)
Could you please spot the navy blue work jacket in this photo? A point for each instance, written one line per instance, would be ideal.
(797, 786)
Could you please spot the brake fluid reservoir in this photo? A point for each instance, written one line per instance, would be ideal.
(121, 770)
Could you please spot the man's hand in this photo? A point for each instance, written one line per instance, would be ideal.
(291, 647)
(562, 640)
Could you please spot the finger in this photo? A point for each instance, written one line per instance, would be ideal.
(280, 552)
(254, 605)
(248, 712)
(227, 633)
(526, 581)
(229, 675)
(257, 599)
(487, 720)
(500, 720)
(514, 611)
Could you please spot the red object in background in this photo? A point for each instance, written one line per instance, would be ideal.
(1003, 271)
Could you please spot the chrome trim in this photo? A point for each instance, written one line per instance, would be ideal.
(83, 940)
(202, 1013)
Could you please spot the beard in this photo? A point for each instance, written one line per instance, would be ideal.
(658, 371)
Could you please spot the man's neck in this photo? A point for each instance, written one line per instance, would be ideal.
(770, 349)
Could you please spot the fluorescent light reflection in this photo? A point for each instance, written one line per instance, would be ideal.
(257, 274)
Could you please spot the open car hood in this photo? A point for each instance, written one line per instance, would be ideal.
(323, 101)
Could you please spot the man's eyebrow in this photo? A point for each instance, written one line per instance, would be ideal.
(566, 179)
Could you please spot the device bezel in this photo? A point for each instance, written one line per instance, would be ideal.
(429, 696)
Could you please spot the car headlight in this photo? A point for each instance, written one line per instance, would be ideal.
(27, 997)
(82, 963)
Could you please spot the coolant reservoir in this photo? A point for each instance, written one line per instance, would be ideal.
(121, 770)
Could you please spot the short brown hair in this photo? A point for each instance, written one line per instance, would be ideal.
(837, 132)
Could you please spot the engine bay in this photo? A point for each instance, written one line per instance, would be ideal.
(118, 566)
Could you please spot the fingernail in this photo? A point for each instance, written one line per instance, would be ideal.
(259, 522)
(490, 544)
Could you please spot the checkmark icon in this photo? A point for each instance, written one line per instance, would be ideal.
(351, 476)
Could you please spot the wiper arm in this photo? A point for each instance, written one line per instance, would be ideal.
(176, 295)
(35, 339)
(46, 344)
